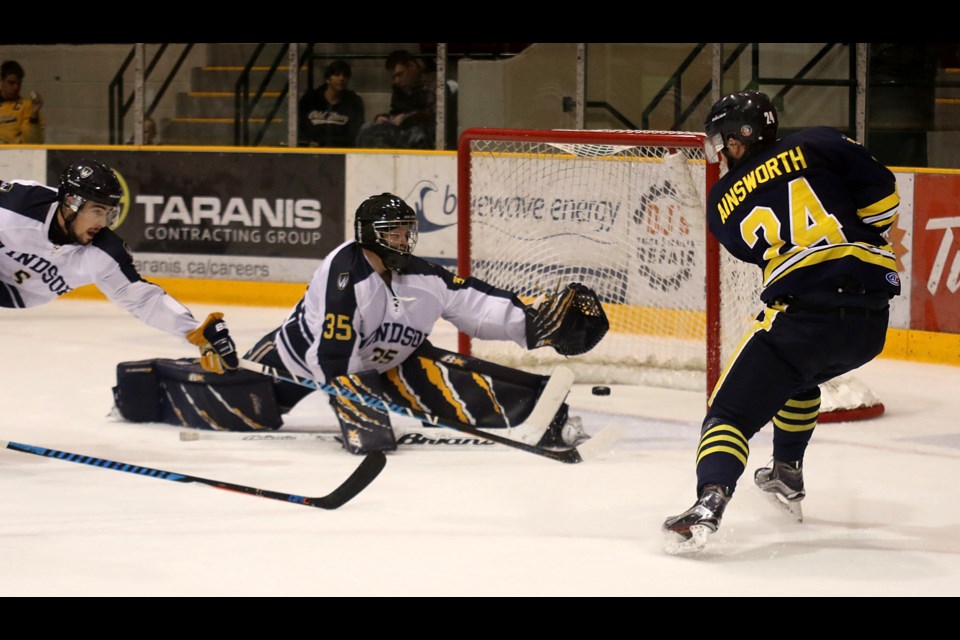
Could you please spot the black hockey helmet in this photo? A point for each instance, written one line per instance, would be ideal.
(90, 180)
(747, 116)
(376, 226)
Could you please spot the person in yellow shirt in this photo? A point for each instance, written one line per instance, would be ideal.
(20, 119)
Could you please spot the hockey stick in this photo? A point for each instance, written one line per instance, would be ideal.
(423, 437)
(557, 387)
(596, 446)
(363, 475)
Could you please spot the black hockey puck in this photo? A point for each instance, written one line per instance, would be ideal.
(601, 391)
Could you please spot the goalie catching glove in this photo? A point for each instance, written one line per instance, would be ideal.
(572, 321)
(217, 351)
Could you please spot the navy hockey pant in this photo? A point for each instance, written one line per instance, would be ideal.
(774, 376)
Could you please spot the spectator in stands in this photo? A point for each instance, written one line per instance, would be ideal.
(20, 119)
(331, 115)
(411, 121)
(150, 136)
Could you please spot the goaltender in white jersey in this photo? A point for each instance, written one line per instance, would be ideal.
(55, 240)
(353, 319)
(370, 307)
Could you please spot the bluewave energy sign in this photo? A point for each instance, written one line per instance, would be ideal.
(616, 224)
(226, 216)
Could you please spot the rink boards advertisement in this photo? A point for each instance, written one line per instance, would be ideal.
(224, 216)
(631, 240)
(428, 183)
(269, 217)
(934, 298)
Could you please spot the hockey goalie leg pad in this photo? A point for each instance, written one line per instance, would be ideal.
(182, 393)
(137, 394)
(365, 428)
(463, 389)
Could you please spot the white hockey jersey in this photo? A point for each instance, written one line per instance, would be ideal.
(34, 270)
(351, 320)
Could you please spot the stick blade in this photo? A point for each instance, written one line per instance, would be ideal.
(601, 443)
(361, 477)
(553, 395)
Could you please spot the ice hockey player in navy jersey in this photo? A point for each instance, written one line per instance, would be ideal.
(810, 211)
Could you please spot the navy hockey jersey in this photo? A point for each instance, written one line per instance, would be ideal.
(812, 207)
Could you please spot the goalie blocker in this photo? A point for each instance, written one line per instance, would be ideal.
(432, 382)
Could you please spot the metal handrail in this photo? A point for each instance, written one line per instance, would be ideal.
(245, 105)
(705, 91)
(799, 80)
(674, 82)
(118, 106)
(243, 108)
(791, 83)
(115, 111)
(609, 108)
(169, 79)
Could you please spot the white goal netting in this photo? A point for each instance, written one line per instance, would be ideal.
(623, 213)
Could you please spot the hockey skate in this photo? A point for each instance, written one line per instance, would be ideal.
(783, 483)
(565, 431)
(688, 532)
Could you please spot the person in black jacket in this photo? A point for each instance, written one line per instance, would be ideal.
(332, 114)
(411, 122)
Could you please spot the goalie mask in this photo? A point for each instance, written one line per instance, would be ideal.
(91, 180)
(747, 116)
(387, 225)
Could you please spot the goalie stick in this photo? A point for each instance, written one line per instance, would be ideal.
(596, 446)
(363, 475)
(406, 436)
(536, 423)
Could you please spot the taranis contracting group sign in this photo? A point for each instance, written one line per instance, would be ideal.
(211, 219)
(226, 204)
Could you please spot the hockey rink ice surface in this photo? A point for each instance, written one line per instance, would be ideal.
(881, 514)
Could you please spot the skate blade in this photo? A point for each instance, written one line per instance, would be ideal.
(792, 509)
(676, 545)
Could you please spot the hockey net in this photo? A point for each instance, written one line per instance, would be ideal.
(623, 213)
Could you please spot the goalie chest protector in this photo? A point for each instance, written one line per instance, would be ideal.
(182, 393)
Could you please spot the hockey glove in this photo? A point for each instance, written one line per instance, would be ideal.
(217, 351)
(572, 321)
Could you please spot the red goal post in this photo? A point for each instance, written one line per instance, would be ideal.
(622, 212)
